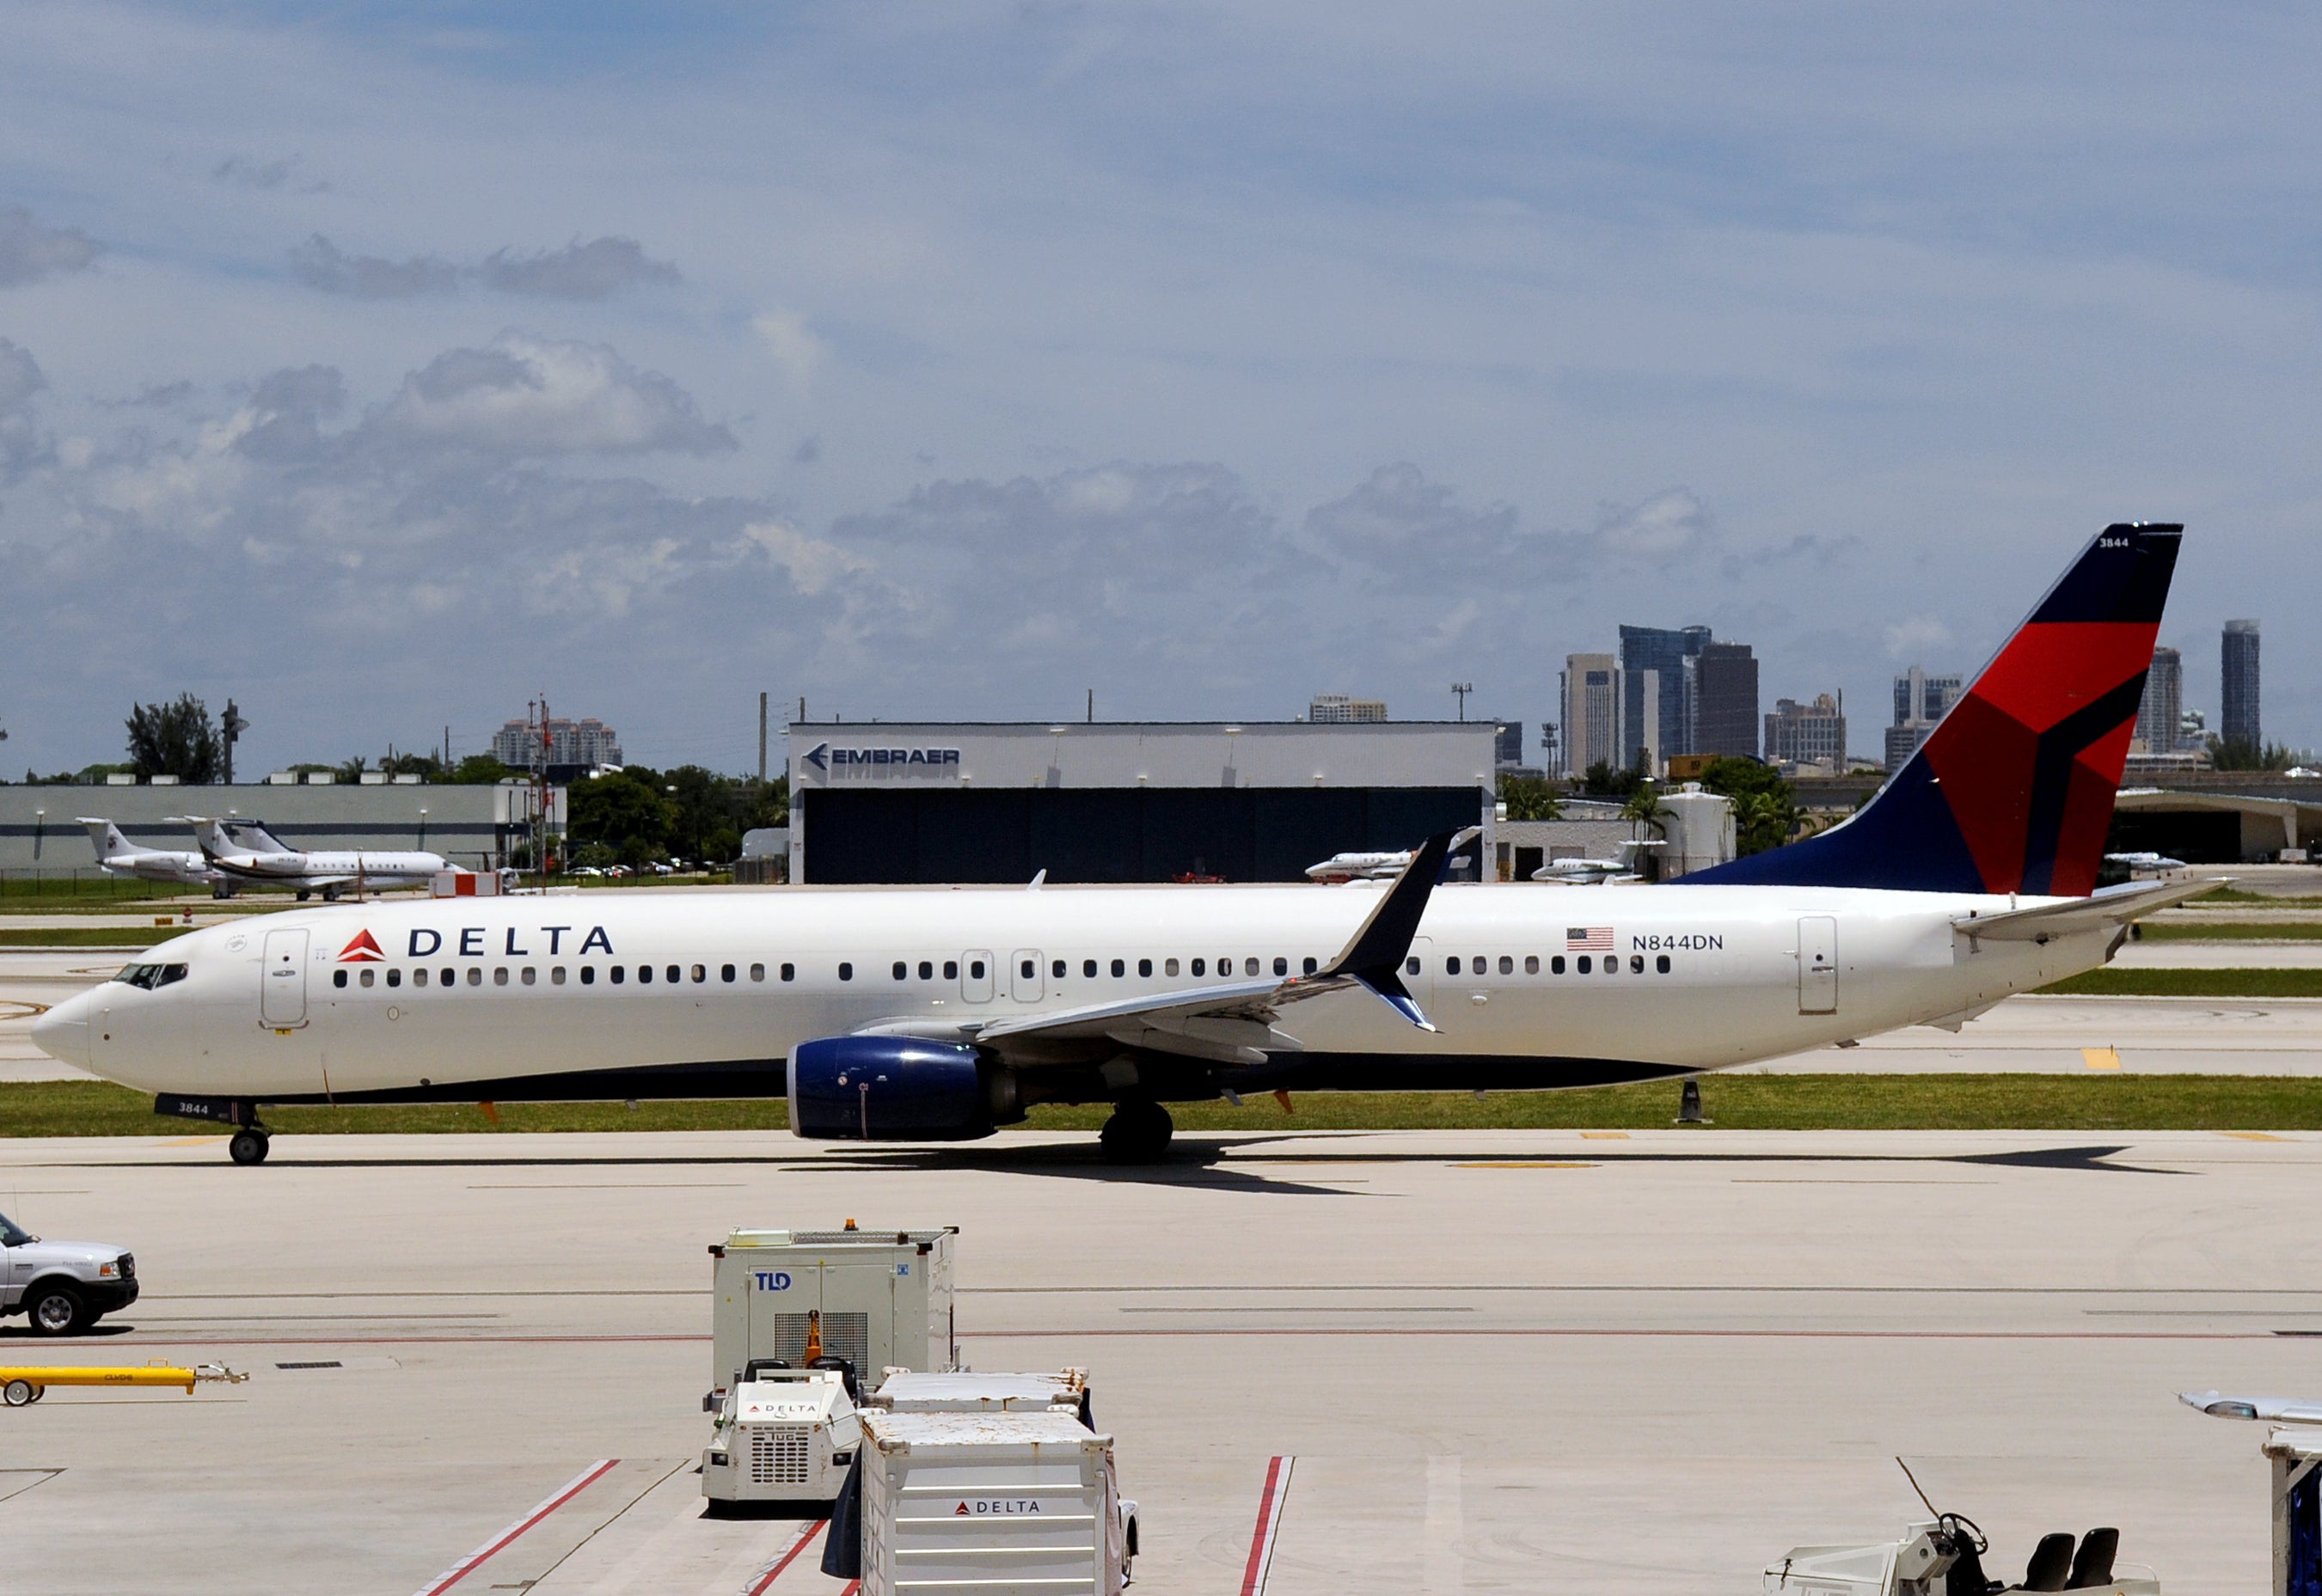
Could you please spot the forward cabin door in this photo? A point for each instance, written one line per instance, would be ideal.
(1817, 965)
(283, 981)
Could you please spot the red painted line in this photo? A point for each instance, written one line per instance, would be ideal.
(500, 1543)
(1269, 1518)
(1409, 1332)
(773, 1570)
(399, 1340)
(852, 1587)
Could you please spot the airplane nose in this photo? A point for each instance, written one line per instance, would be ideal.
(62, 1032)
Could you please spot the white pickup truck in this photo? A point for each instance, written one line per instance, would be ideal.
(63, 1287)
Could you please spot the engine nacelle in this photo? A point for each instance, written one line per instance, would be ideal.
(888, 1089)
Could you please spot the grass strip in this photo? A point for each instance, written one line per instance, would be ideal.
(1736, 1102)
(2265, 899)
(87, 937)
(2189, 983)
(2229, 930)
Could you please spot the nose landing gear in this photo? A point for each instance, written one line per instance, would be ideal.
(1137, 1133)
(250, 1145)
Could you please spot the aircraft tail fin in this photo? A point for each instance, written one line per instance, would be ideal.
(2013, 792)
(255, 837)
(106, 837)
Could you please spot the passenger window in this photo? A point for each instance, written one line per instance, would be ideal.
(726, 973)
(1613, 965)
(1451, 965)
(1200, 968)
(1583, 965)
(557, 975)
(530, 976)
(790, 973)
(1662, 964)
(1410, 967)
(1249, 967)
(1475, 965)
(338, 978)
(1144, 966)
(368, 976)
(395, 977)
(1119, 968)
(675, 974)
(1169, 967)
(1507, 965)
(644, 975)
(1225, 967)
(1056, 970)
(951, 970)
(757, 973)
(588, 975)
(700, 973)
(1088, 968)
(499, 976)
(1307, 966)
(446, 977)
(475, 975)
(846, 972)
(620, 973)
(1636, 963)
(419, 977)
(1531, 963)
(1281, 965)
(900, 970)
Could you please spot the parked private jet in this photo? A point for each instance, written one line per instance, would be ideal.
(121, 857)
(1620, 870)
(940, 1015)
(1342, 868)
(244, 851)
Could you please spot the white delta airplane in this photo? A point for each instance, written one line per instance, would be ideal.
(939, 1014)
(118, 856)
(246, 854)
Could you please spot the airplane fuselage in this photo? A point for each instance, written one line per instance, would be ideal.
(643, 994)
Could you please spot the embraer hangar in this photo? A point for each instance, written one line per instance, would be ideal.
(1123, 801)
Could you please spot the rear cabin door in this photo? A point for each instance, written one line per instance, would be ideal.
(975, 975)
(1817, 965)
(282, 984)
(1024, 975)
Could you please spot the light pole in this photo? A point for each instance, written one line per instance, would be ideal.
(1463, 688)
(423, 828)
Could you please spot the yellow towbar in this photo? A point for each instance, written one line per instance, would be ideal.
(21, 1386)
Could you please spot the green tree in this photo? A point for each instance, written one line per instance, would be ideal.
(177, 740)
(1602, 780)
(1644, 811)
(1765, 809)
(481, 770)
(2244, 753)
(625, 811)
(1528, 797)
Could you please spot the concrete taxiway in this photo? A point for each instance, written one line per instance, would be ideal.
(1502, 1362)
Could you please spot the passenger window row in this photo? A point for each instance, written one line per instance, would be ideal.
(1584, 964)
(529, 975)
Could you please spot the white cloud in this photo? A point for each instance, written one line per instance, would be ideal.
(1913, 641)
(30, 251)
(792, 344)
(527, 396)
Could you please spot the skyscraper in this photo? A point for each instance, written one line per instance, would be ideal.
(1659, 729)
(1920, 702)
(1721, 700)
(2238, 697)
(1807, 733)
(1591, 711)
(2163, 707)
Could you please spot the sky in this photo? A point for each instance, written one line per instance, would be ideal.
(383, 367)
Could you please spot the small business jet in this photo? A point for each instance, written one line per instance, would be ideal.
(1342, 868)
(118, 856)
(2145, 863)
(940, 1015)
(245, 852)
(1621, 871)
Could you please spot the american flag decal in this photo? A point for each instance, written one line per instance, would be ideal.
(1587, 939)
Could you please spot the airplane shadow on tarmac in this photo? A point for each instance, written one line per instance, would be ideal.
(1211, 1163)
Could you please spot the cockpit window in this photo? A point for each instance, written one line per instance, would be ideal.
(152, 976)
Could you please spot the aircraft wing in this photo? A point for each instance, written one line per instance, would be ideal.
(1231, 1021)
(2112, 908)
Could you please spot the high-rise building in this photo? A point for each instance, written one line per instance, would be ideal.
(1721, 700)
(2163, 707)
(1807, 733)
(1339, 709)
(590, 742)
(1507, 742)
(1591, 711)
(1921, 700)
(1656, 729)
(2237, 699)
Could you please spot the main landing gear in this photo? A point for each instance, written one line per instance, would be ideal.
(1137, 1133)
(250, 1144)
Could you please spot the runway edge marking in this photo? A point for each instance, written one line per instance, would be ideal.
(1269, 1520)
(772, 1570)
(500, 1542)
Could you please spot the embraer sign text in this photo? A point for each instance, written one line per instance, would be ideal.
(899, 762)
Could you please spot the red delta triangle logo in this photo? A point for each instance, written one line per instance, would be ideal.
(960, 1511)
(362, 950)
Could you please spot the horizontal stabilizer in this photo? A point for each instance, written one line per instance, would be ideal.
(2113, 908)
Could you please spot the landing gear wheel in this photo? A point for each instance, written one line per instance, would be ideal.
(250, 1145)
(18, 1394)
(57, 1309)
(330, 895)
(1137, 1133)
(305, 893)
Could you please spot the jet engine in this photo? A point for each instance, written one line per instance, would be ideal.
(896, 1088)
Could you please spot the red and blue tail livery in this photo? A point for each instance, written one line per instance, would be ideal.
(2014, 791)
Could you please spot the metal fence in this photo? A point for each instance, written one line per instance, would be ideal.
(86, 884)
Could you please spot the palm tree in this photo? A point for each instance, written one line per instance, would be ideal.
(1645, 808)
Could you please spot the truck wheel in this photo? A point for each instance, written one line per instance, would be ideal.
(248, 1146)
(1137, 1133)
(55, 1308)
(18, 1394)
